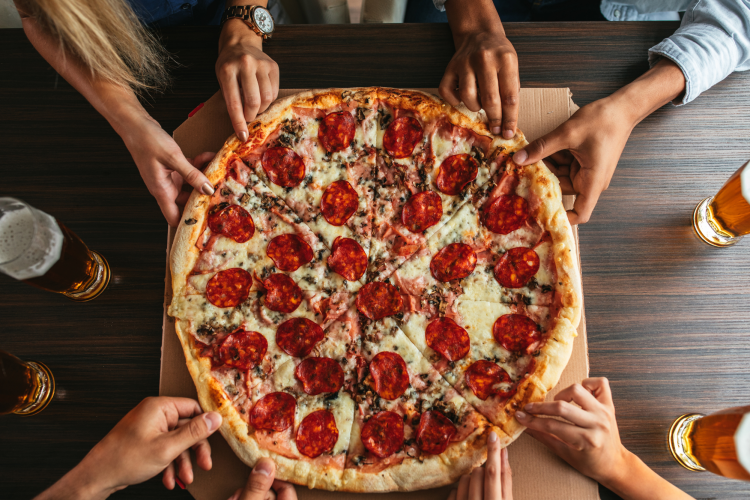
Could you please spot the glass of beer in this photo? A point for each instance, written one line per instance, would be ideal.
(39, 250)
(721, 220)
(25, 388)
(719, 443)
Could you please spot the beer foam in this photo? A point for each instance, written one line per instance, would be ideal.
(742, 434)
(745, 184)
(30, 240)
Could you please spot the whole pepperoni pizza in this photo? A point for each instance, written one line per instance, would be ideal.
(373, 287)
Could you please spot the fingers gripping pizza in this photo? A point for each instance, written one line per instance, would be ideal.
(373, 287)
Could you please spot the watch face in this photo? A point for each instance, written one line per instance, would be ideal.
(263, 20)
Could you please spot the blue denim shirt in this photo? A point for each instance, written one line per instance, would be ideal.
(712, 42)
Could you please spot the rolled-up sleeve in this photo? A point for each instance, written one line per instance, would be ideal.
(712, 42)
(440, 4)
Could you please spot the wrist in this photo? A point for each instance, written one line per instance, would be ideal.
(236, 31)
(80, 483)
(465, 22)
(622, 469)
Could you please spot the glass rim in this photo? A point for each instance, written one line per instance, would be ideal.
(33, 235)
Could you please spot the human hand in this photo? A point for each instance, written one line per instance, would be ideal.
(261, 484)
(248, 78)
(492, 481)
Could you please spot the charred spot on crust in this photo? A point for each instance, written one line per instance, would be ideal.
(191, 221)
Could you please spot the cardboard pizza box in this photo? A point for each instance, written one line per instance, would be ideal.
(537, 473)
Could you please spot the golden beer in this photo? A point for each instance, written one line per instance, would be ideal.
(25, 388)
(723, 219)
(719, 443)
(39, 250)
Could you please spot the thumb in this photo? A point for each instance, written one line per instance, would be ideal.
(542, 147)
(198, 429)
(260, 480)
(192, 175)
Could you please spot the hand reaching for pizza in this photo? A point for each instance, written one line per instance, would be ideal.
(483, 73)
(261, 484)
(492, 481)
(247, 76)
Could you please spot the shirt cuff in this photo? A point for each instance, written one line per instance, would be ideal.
(439, 4)
(705, 54)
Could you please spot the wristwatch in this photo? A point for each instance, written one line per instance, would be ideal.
(258, 18)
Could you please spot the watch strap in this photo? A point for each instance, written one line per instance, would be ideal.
(245, 13)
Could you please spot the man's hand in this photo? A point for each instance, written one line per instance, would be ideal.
(483, 73)
(261, 484)
(492, 481)
(248, 78)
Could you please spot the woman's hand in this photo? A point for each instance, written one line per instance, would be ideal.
(492, 481)
(261, 484)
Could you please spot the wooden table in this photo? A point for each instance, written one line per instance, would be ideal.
(668, 317)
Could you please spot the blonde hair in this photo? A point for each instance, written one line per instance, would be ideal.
(109, 39)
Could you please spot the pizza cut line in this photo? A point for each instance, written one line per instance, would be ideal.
(373, 287)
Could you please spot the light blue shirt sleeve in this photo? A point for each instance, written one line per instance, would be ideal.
(712, 42)
(440, 4)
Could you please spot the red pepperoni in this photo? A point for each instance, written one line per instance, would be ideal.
(377, 300)
(484, 378)
(336, 131)
(298, 336)
(390, 375)
(283, 166)
(339, 202)
(282, 293)
(453, 262)
(383, 434)
(243, 350)
(506, 214)
(229, 288)
(516, 332)
(423, 210)
(274, 412)
(319, 375)
(435, 432)
(516, 267)
(455, 173)
(289, 252)
(317, 434)
(233, 222)
(402, 136)
(347, 259)
(446, 337)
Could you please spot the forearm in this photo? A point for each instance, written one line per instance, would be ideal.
(661, 84)
(636, 481)
(78, 484)
(234, 29)
(469, 16)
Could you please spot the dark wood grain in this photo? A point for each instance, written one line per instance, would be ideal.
(668, 318)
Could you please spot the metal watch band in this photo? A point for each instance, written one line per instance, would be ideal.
(237, 12)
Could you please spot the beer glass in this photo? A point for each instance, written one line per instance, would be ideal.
(39, 250)
(719, 442)
(721, 220)
(25, 388)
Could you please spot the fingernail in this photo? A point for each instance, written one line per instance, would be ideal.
(207, 189)
(496, 130)
(493, 437)
(520, 156)
(179, 483)
(263, 467)
(521, 415)
(529, 407)
(213, 420)
(242, 136)
(508, 134)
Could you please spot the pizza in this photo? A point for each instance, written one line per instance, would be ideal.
(373, 288)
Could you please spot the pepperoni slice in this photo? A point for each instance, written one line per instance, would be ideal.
(506, 214)
(233, 222)
(229, 288)
(243, 350)
(389, 373)
(455, 173)
(347, 259)
(298, 336)
(446, 337)
(319, 375)
(383, 434)
(423, 210)
(435, 432)
(339, 202)
(484, 378)
(377, 300)
(282, 293)
(402, 136)
(289, 252)
(317, 434)
(273, 412)
(516, 267)
(283, 166)
(516, 332)
(453, 262)
(336, 131)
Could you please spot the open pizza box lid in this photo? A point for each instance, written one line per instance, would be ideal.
(537, 473)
